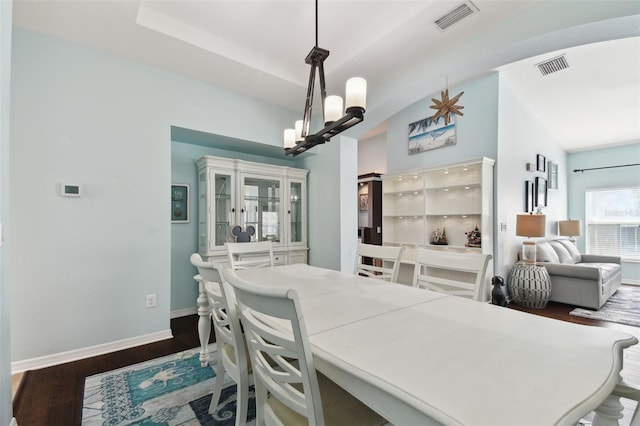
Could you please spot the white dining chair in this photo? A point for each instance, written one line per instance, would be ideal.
(257, 254)
(385, 261)
(460, 274)
(231, 348)
(289, 391)
(232, 351)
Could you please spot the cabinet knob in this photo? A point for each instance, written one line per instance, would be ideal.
(289, 211)
(233, 210)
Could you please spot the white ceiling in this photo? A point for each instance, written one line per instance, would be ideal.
(258, 48)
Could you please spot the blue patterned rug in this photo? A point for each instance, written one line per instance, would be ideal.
(622, 308)
(168, 391)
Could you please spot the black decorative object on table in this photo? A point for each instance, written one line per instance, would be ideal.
(497, 295)
(243, 236)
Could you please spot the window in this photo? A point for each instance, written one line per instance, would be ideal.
(613, 221)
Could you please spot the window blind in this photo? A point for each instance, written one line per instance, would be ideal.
(613, 221)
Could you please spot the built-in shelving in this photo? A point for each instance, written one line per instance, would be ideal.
(453, 197)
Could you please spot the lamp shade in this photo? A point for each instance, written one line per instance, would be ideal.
(570, 228)
(530, 225)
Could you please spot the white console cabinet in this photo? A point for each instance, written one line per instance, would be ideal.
(453, 198)
(270, 198)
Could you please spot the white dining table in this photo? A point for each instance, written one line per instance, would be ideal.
(419, 357)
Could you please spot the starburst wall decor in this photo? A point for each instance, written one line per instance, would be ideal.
(445, 106)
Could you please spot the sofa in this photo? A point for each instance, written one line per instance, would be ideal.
(578, 279)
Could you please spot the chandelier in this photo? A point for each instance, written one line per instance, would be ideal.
(337, 118)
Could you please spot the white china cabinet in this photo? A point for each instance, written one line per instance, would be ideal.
(270, 198)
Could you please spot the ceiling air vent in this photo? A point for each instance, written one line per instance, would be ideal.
(456, 15)
(553, 65)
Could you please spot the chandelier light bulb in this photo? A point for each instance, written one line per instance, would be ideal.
(356, 93)
(289, 138)
(333, 109)
(298, 130)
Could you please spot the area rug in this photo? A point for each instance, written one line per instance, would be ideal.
(622, 308)
(168, 391)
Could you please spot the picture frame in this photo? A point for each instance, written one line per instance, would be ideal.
(364, 202)
(529, 196)
(552, 175)
(541, 192)
(428, 134)
(541, 163)
(180, 202)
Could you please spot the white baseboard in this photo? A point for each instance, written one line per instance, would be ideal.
(630, 282)
(74, 355)
(183, 312)
(14, 422)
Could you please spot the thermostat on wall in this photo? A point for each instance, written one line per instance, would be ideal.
(70, 190)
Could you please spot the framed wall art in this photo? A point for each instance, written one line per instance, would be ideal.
(179, 203)
(541, 163)
(364, 202)
(429, 134)
(541, 192)
(529, 196)
(553, 175)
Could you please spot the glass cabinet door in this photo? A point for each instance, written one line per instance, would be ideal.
(223, 208)
(295, 212)
(261, 208)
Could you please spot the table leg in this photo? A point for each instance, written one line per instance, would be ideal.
(204, 323)
(610, 411)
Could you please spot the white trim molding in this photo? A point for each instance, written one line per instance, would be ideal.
(88, 352)
(184, 312)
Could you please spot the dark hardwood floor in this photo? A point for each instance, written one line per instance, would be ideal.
(53, 396)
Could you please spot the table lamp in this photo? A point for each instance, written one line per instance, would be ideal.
(570, 228)
(530, 225)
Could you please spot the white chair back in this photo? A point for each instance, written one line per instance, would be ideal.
(206, 270)
(460, 274)
(389, 257)
(250, 255)
(280, 354)
(231, 350)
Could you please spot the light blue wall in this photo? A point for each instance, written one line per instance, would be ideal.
(184, 237)
(103, 122)
(496, 124)
(580, 182)
(328, 183)
(5, 341)
(476, 131)
(521, 136)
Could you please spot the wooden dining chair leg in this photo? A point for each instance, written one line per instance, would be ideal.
(217, 387)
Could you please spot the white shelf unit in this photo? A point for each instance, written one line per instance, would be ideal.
(453, 197)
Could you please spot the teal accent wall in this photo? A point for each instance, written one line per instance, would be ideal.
(580, 182)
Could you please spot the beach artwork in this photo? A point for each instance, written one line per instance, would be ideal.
(427, 134)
